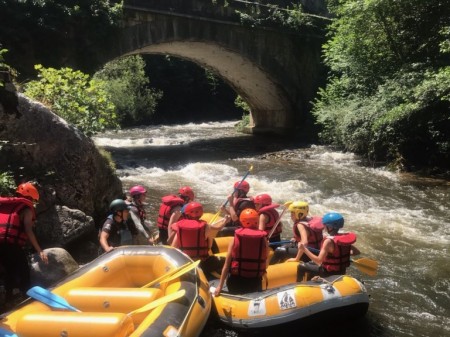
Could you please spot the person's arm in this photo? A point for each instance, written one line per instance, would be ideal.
(354, 251)
(262, 222)
(28, 225)
(225, 269)
(231, 209)
(304, 241)
(327, 247)
(174, 217)
(104, 241)
(175, 242)
(218, 225)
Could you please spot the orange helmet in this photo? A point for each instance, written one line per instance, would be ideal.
(249, 218)
(28, 190)
(186, 191)
(193, 209)
(263, 199)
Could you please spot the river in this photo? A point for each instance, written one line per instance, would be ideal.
(402, 220)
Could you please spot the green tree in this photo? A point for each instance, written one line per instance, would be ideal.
(387, 95)
(128, 87)
(82, 101)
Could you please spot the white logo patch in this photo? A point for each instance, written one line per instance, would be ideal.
(257, 307)
(286, 299)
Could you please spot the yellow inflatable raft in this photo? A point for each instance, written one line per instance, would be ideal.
(131, 291)
(284, 300)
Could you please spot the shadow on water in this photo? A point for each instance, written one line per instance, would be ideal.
(218, 149)
(335, 326)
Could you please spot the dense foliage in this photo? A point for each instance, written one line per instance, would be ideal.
(388, 92)
(7, 183)
(128, 87)
(81, 101)
(57, 33)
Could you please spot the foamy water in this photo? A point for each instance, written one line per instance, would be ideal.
(401, 221)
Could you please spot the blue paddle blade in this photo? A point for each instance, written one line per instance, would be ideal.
(47, 297)
(6, 333)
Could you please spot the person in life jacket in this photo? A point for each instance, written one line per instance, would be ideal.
(247, 256)
(238, 201)
(268, 216)
(17, 217)
(170, 212)
(138, 226)
(306, 230)
(110, 233)
(334, 254)
(191, 233)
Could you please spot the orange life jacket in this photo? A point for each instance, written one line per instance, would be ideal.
(273, 216)
(192, 238)
(249, 253)
(314, 227)
(165, 210)
(12, 230)
(340, 259)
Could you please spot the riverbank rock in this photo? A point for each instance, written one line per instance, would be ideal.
(75, 181)
(60, 264)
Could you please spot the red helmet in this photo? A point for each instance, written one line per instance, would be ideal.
(28, 190)
(242, 186)
(186, 191)
(137, 190)
(249, 218)
(263, 199)
(193, 209)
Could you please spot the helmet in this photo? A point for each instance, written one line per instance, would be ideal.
(186, 191)
(193, 209)
(242, 186)
(137, 190)
(300, 209)
(28, 190)
(333, 219)
(263, 199)
(118, 205)
(249, 218)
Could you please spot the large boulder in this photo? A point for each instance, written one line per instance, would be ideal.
(76, 182)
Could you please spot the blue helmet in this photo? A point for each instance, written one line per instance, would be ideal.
(333, 219)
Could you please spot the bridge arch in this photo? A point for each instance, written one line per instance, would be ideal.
(276, 72)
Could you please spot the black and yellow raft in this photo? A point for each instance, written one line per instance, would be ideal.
(131, 291)
(284, 300)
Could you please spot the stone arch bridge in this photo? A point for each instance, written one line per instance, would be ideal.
(276, 71)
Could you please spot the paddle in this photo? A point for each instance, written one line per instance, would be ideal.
(277, 243)
(364, 265)
(49, 298)
(160, 301)
(226, 202)
(177, 272)
(6, 333)
(285, 207)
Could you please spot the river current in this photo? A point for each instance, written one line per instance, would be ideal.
(402, 220)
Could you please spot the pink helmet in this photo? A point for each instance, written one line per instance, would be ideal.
(194, 209)
(186, 191)
(137, 190)
(242, 186)
(263, 199)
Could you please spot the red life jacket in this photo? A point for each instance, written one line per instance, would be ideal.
(192, 238)
(11, 228)
(273, 216)
(340, 259)
(249, 253)
(314, 227)
(165, 210)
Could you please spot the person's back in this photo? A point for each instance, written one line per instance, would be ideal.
(246, 259)
(191, 233)
(268, 216)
